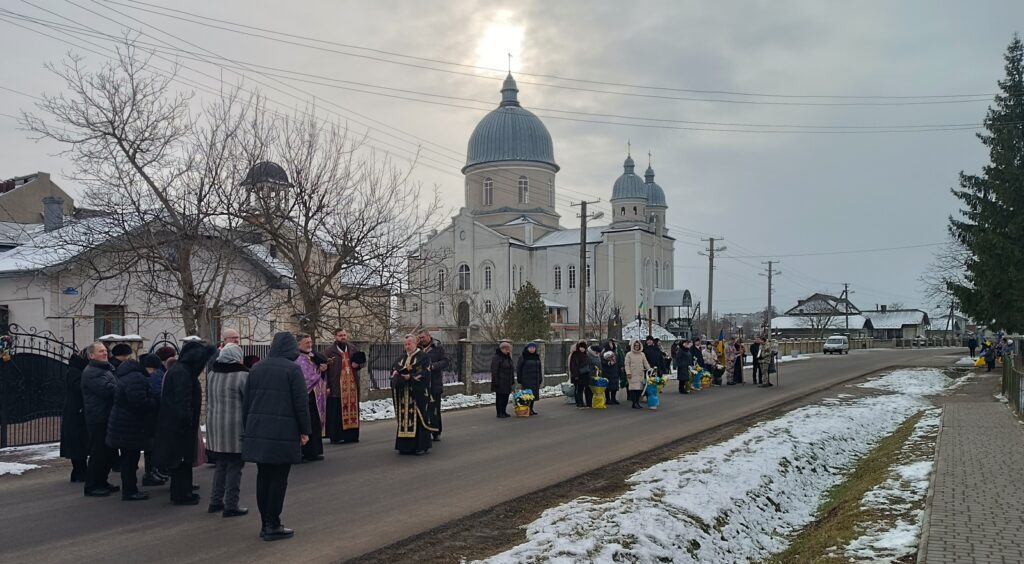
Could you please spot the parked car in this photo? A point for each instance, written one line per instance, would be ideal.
(837, 344)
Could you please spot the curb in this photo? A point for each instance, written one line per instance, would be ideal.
(922, 545)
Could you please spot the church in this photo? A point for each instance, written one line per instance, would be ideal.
(509, 232)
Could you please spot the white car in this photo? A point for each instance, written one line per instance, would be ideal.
(837, 344)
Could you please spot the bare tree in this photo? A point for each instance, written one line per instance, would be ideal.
(818, 315)
(154, 168)
(344, 224)
(946, 271)
(599, 310)
(490, 316)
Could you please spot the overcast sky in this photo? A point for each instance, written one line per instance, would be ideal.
(770, 194)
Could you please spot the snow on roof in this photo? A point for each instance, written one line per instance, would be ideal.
(802, 322)
(570, 237)
(554, 304)
(897, 319)
(17, 233)
(45, 249)
(637, 330)
(116, 337)
(262, 254)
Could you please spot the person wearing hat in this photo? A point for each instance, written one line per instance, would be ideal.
(225, 391)
(503, 377)
(131, 422)
(155, 369)
(530, 372)
(611, 368)
(120, 353)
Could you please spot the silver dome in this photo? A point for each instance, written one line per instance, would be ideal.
(510, 133)
(629, 186)
(655, 195)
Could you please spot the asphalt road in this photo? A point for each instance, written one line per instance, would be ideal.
(365, 496)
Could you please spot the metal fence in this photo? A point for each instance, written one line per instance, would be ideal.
(1013, 373)
(33, 385)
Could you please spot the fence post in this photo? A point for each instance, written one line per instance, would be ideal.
(467, 366)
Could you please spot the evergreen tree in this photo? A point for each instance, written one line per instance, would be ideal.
(527, 318)
(991, 226)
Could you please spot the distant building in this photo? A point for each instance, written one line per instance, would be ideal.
(824, 314)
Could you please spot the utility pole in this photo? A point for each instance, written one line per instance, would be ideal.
(770, 273)
(581, 281)
(710, 253)
(846, 305)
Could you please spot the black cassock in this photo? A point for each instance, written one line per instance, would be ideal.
(411, 402)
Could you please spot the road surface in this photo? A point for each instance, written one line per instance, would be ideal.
(365, 496)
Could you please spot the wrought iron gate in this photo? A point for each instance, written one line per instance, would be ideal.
(32, 387)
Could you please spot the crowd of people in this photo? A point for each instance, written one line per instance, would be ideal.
(631, 369)
(991, 351)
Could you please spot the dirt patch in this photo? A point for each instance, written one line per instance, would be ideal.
(500, 528)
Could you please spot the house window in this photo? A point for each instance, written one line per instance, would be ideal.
(5, 320)
(464, 277)
(488, 192)
(572, 277)
(488, 306)
(488, 275)
(440, 280)
(415, 306)
(524, 190)
(588, 275)
(558, 278)
(107, 320)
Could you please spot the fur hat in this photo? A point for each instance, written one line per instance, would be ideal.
(121, 349)
(165, 352)
(151, 361)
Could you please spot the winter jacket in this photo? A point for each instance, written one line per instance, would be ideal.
(177, 427)
(131, 419)
(611, 370)
(503, 374)
(225, 391)
(74, 437)
(579, 363)
(684, 360)
(636, 369)
(530, 372)
(275, 406)
(98, 387)
(156, 383)
(654, 357)
(438, 364)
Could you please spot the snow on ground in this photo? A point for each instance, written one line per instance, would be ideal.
(750, 360)
(376, 410)
(18, 460)
(15, 468)
(899, 500)
(966, 361)
(735, 501)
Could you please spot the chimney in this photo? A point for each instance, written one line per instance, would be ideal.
(883, 308)
(53, 213)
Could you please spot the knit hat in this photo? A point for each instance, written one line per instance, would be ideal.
(165, 352)
(151, 361)
(121, 349)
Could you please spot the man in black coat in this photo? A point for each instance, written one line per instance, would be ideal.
(275, 419)
(98, 387)
(438, 364)
(684, 360)
(755, 350)
(74, 437)
(131, 423)
(177, 428)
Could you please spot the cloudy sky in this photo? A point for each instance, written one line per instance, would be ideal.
(733, 163)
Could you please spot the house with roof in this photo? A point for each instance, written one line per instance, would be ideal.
(823, 314)
(890, 324)
(509, 232)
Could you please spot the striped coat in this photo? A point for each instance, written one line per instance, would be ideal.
(225, 386)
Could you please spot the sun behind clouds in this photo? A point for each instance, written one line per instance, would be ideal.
(503, 35)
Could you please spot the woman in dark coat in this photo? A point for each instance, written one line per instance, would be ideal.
(611, 369)
(580, 372)
(503, 377)
(276, 424)
(530, 372)
(74, 438)
(131, 423)
(177, 428)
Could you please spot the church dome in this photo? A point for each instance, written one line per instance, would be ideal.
(510, 133)
(655, 195)
(629, 186)
(266, 172)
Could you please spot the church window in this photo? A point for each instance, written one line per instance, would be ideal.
(657, 275)
(558, 278)
(464, 277)
(488, 192)
(440, 280)
(623, 212)
(488, 275)
(521, 282)
(488, 306)
(551, 190)
(440, 308)
(524, 190)
(634, 210)
(572, 277)
(666, 274)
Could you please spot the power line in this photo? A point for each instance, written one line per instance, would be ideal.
(851, 252)
(163, 12)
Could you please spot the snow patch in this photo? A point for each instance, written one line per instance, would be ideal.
(378, 410)
(15, 468)
(735, 501)
(965, 361)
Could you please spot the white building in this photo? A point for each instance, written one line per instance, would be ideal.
(508, 233)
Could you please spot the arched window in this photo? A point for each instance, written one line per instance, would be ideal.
(440, 280)
(558, 278)
(623, 212)
(464, 277)
(524, 190)
(572, 276)
(488, 192)
(440, 308)
(666, 274)
(488, 306)
(657, 275)
(634, 210)
(488, 276)
(551, 190)
(588, 275)
(521, 278)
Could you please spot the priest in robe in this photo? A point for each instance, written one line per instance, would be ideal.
(313, 366)
(410, 388)
(343, 363)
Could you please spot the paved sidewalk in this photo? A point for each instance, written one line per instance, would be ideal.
(977, 509)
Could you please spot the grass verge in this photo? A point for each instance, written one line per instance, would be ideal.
(841, 511)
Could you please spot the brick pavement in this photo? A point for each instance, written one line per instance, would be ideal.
(976, 512)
